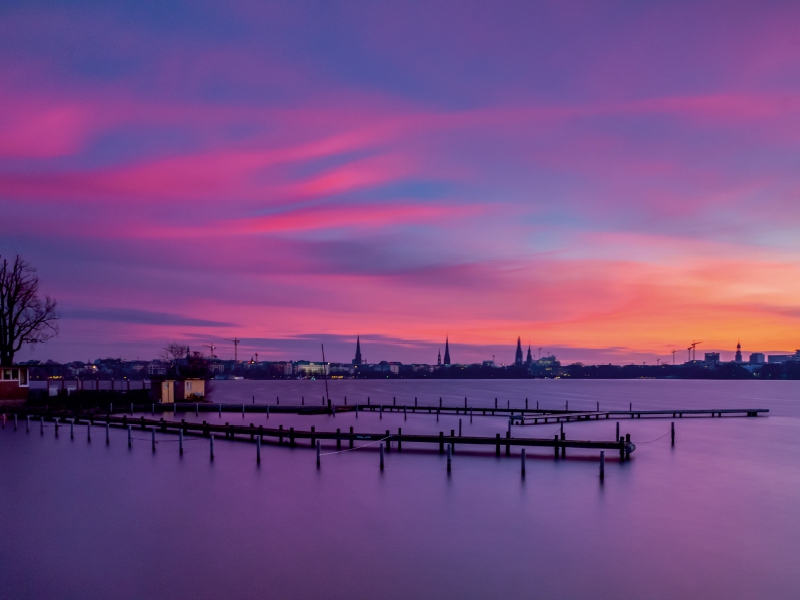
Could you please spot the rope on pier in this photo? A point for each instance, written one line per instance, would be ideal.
(357, 447)
(655, 440)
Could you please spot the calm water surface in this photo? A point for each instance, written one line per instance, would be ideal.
(714, 517)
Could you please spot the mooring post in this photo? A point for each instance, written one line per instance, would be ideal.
(211, 445)
(280, 434)
(153, 436)
(673, 433)
(302, 402)
(598, 406)
(399, 441)
(345, 400)
(71, 427)
(318, 453)
(42, 430)
(258, 451)
(107, 428)
(89, 430)
(567, 404)
(522, 457)
(415, 401)
(381, 411)
(388, 441)
(405, 414)
(313, 436)
(15, 421)
(437, 414)
(630, 406)
(495, 402)
(555, 447)
(351, 437)
(153, 409)
(440, 402)
(562, 429)
(449, 456)
(381, 456)
(268, 411)
(356, 411)
(110, 404)
(180, 441)
(291, 436)
(563, 446)
(56, 424)
(130, 439)
(131, 408)
(537, 405)
(338, 439)
(394, 400)
(602, 465)
(459, 428)
(497, 445)
(220, 411)
(508, 446)
(470, 415)
(617, 437)
(627, 447)
(197, 409)
(27, 423)
(526, 404)
(509, 427)
(243, 411)
(441, 442)
(621, 448)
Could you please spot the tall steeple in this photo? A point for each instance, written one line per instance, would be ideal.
(439, 359)
(738, 358)
(447, 350)
(518, 357)
(357, 359)
(529, 360)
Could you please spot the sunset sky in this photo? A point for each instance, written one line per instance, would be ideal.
(607, 180)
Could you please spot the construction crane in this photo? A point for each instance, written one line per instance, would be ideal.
(673, 356)
(694, 349)
(236, 341)
(211, 347)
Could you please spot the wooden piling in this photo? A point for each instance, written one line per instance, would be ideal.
(555, 446)
(180, 441)
(338, 439)
(351, 438)
(318, 453)
(71, 427)
(131, 408)
(459, 428)
(399, 441)
(107, 429)
(522, 457)
(15, 421)
(495, 402)
(130, 439)
(291, 436)
(405, 414)
(211, 445)
(602, 465)
(497, 445)
(42, 422)
(672, 431)
(441, 442)
(197, 408)
(508, 446)
(449, 456)
(153, 436)
(563, 446)
(470, 415)
(381, 411)
(617, 436)
(381, 456)
(313, 436)
(258, 451)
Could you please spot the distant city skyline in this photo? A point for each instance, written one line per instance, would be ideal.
(609, 181)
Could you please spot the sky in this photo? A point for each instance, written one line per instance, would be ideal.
(608, 180)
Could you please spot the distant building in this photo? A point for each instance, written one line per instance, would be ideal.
(156, 368)
(712, 358)
(738, 358)
(518, 355)
(447, 350)
(357, 360)
(305, 368)
(757, 358)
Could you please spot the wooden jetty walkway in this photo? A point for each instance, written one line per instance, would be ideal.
(294, 437)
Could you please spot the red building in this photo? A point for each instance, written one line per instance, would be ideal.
(13, 384)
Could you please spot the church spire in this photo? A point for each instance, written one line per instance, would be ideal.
(529, 360)
(518, 356)
(738, 358)
(357, 360)
(447, 350)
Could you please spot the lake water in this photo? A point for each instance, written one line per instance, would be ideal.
(714, 517)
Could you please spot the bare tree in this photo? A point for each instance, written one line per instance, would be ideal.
(24, 317)
(174, 351)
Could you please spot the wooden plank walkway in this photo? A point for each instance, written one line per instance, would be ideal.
(292, 437)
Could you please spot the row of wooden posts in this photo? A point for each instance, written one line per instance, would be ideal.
(317, 444)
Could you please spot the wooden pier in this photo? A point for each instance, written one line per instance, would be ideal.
(295, 437)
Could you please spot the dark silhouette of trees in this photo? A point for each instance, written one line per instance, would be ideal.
(25, 318)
